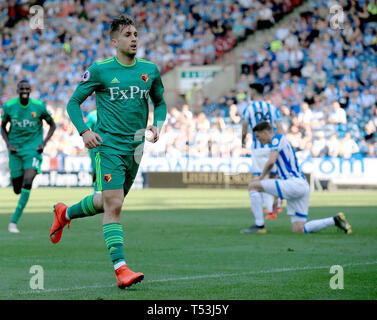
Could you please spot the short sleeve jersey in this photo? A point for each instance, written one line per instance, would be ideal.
(122, 94)
(26, 125)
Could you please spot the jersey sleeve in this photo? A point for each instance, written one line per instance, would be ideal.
(277, 142)
(90, 82)
(45, 114)
(277, 114)
(157, 97)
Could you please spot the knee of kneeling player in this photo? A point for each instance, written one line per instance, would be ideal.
(298, 227)
(252, 186)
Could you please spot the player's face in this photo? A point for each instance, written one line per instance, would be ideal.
(264, 136)
(24, 90)
(126, 41)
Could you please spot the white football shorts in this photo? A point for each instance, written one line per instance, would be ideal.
(297, 193)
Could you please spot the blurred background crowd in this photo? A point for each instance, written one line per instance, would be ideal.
(323, 80)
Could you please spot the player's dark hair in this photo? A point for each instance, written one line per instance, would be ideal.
(23, 81)
(119, 23)
(258, 87)
(264, 125)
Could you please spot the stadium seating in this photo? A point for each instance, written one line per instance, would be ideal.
(307, 62)
(311, 62)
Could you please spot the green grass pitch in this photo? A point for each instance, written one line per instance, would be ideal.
(188, 245)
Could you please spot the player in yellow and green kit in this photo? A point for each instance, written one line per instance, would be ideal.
(91, 123)
(123, 86)
(25, 143)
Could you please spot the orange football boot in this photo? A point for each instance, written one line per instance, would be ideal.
(126, 277)
(59, 223)
(271, 216)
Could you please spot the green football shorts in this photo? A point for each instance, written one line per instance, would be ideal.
(20, 161)
(92, 156)
(115, 171)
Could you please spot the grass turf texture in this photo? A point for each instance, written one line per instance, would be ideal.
(188, 245)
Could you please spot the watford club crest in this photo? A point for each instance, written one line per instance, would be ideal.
(145, 77)
(107, 177)
(33, 114)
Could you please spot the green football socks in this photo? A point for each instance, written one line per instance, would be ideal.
(22, 201)
(84, 208)
(113, 234)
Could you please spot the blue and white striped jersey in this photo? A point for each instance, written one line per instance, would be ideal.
(257, 111)
(286, 162)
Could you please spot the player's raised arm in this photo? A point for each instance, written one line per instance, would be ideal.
(90, 82)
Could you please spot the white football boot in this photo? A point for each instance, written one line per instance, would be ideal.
(12, 228)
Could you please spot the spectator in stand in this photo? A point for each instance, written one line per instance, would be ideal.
(305, 116)
(283, 31)
(319, 116)
(282, 57)
(337, 114)
(354, 110)
(202, 122)
(350, 62)
(239, 28)
(367, 100)
(243, 83)
(319, 147)
(265, 18)
(308, 69)
(296, 57)
(333, 146)
(319, 78)
(349, 79)
(348, 146)
(370, 137)
(234, 117)
(331, 92)
(294, 136)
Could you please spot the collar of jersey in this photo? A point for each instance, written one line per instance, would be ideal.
(125, 65)
(21, 105)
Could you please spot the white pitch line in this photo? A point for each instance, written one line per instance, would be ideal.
(206, 276)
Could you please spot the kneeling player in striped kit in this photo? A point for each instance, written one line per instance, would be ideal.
(291, 185)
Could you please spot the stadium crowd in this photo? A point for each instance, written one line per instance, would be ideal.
(323, 80)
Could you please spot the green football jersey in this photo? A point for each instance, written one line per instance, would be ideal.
(26, 127)
(122, 93)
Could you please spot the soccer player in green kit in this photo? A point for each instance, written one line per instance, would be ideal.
(123, 85)
(25, 143)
